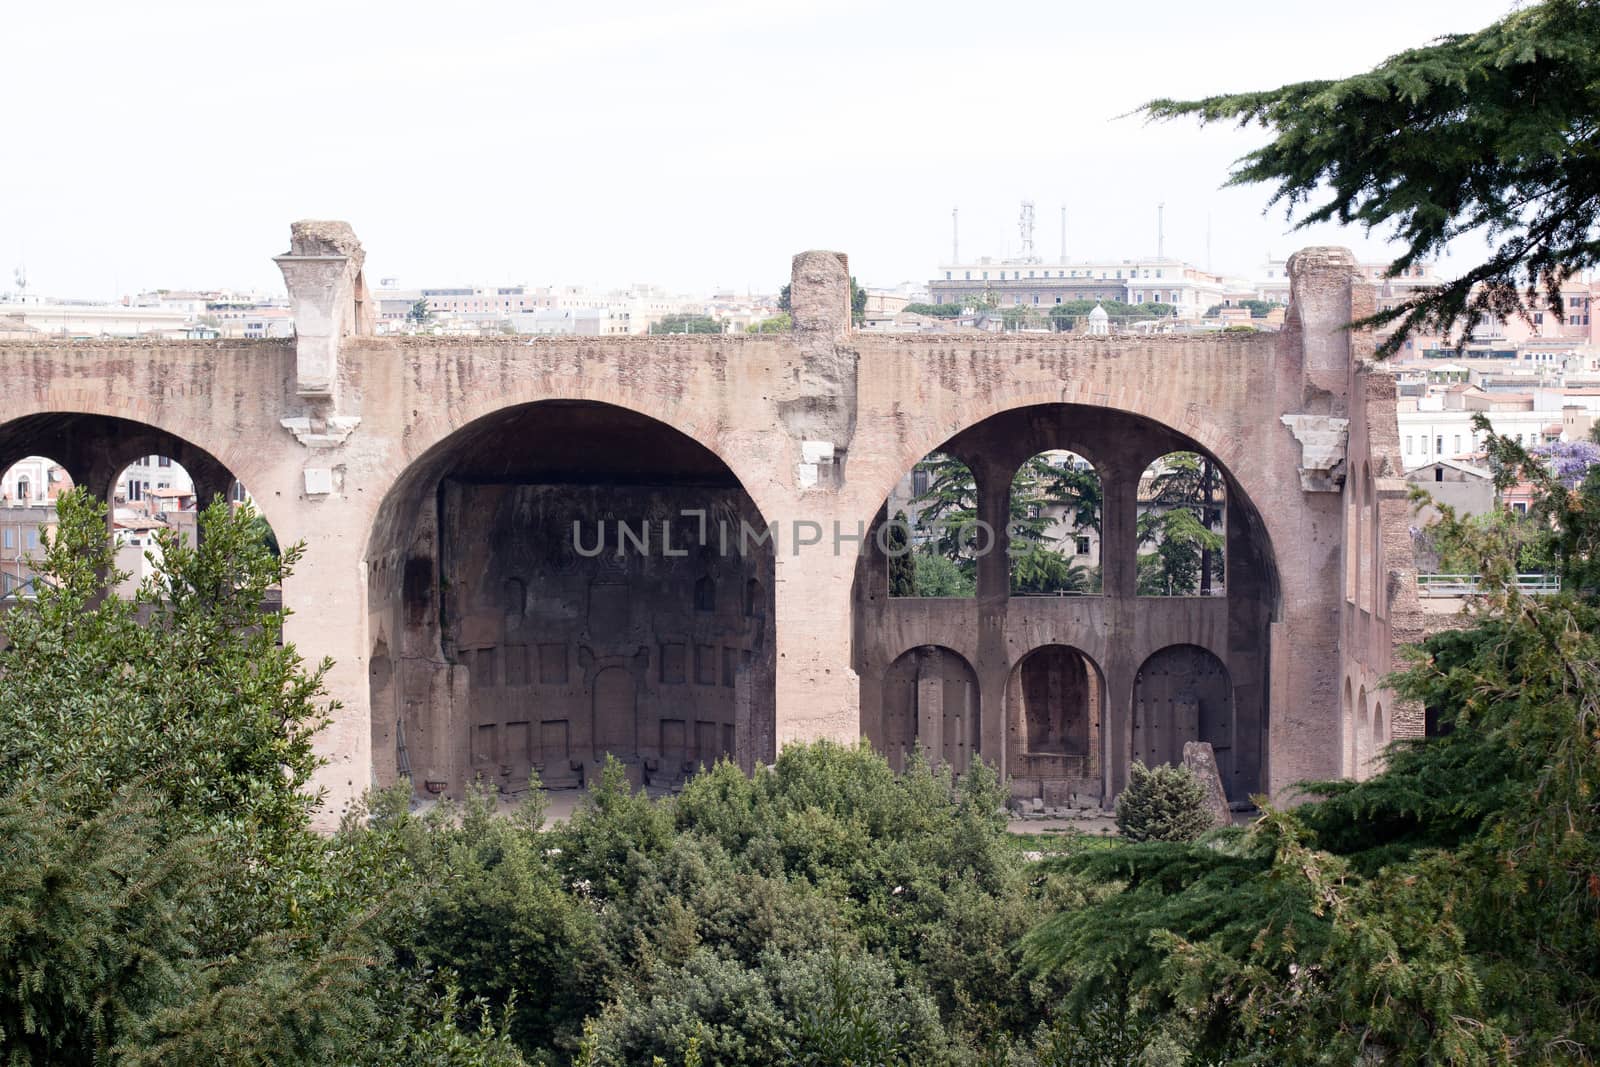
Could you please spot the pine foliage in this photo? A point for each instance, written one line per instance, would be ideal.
(1162, 803)
(1491, 133)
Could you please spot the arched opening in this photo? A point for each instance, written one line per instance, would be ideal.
(931, 537)
(149, 478)
(544, 584)
(1183, 693)
(1232, 563)
(1054, 526)
(1055, 704)
(28, 490)
(1363, 734)
(1378, 738)
(1348, 718)
(930, 698)
(1375, 542)
(1182, 526)
(1366, 546)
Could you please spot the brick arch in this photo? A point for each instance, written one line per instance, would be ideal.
(1184, 419)
(435, 427)
(239, 452)
(955, 734)
(1025, 758)
(427, 443)
(62, 434)
(1255, 482)
(1239, 459)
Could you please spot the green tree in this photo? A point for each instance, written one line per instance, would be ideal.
(1492, 133)
(1183, 546)
(686, 323)
(162, 898)
(1445, 909)
(88, 681)
(779, 323)
(936, 575)
(902, 564)
(949, 509)
(420, 314)
(1042, 492)
(1192, 483)
(938, 311)
(1162, 803)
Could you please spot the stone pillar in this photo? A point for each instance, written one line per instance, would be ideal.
(993, 483)
(1314, 361)
(818, 694)
(1119, 576)
(818, 405)
(930, 708)
(327, 292)
(1119, 548)
(1320, 284)
(994, 512)
(327, 599)
(819, 293)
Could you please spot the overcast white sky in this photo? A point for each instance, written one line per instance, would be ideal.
(692, 143)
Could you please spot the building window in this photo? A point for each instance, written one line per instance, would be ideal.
(1458, 443)
(1408, 446)
(1083, 546)
(1438, 445)
(9, 540)
(947, 275)
(33, 537)
(22, 490)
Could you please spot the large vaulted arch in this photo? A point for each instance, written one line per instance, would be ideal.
(562, 582)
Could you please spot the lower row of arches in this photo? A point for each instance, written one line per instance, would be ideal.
(1058, 716)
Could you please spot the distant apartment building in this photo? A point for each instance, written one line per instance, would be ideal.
(145, 476)
(33, 480)
(572, 322)
(21, 531)
(1035, 284)
(523, 308)
(87, 319)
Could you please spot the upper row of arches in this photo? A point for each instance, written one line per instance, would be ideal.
(1054, 518)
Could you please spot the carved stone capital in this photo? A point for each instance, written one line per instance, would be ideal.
(322, 433)
(1323, 440)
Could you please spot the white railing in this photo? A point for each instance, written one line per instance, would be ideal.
(1452, 585)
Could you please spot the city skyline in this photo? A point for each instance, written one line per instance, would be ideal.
(696, 150)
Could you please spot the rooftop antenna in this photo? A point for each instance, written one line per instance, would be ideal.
(955, 236)
(1063, 235)
(1161, 231)
(1025, 225)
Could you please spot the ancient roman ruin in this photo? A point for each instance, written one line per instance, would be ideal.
(524, 554)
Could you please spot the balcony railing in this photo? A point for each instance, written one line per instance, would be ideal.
(1458, 585)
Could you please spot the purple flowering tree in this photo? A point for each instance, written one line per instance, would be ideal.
(1569, 461)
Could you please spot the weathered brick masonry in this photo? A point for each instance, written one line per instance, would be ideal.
(433, 481)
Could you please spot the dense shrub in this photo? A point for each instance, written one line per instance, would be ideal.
(1163, 803)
